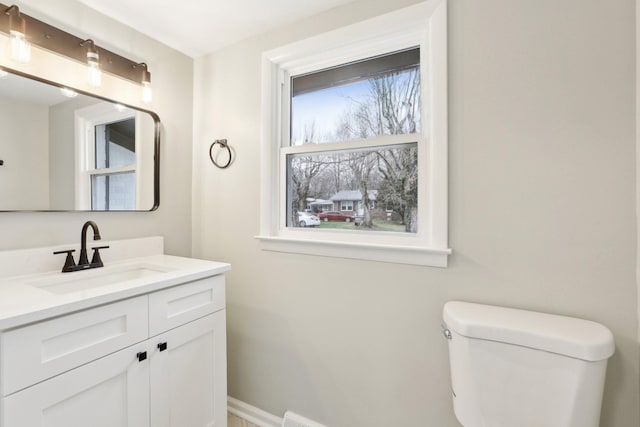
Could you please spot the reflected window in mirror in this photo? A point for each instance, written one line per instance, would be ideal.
(113, 179)
(65, 150)
(108, 140)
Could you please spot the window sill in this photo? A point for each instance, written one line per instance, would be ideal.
(369, 252)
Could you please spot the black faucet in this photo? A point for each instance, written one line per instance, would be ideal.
(83, 262)
(83, 240)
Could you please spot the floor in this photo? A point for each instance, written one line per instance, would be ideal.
(234, 421)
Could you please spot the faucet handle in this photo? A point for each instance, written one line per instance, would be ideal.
(69, 263)
(96, 260)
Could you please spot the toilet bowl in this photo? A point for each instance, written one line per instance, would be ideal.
(518, 368)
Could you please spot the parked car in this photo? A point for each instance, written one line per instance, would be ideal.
(306, 219)
(335, 216)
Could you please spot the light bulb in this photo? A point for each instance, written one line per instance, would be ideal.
(145, 81)
(147, 92)
(94, 74)
(20, 50)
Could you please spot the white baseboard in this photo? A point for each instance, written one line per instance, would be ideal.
(252, 414)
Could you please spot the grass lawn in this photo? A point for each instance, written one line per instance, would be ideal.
(377, 226)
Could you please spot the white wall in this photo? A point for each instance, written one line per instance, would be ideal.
(24, 149)
(172, 74)
(542, 216)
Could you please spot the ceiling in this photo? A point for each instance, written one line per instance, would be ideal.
(198, 27)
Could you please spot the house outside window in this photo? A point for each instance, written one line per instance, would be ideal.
(360, 110)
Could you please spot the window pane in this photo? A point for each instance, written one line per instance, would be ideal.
(113, 192)
(368, 189)
(378, 96)
(116, 144)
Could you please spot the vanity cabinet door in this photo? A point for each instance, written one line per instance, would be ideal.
(109, 392)
(188, 375)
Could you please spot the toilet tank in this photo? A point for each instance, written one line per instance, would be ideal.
(517, 368)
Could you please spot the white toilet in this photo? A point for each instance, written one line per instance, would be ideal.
(517, 368)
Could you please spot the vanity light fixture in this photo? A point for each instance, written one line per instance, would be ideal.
(94, 76)
(45, 36)
(20, 48)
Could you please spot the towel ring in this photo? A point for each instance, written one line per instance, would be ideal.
(223, 144)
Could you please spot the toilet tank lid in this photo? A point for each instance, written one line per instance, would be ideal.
(578, 338)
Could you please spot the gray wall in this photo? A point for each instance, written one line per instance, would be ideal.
(62, 161)
(638, 157)
(173, 101)
(24, 149)
(542, 217)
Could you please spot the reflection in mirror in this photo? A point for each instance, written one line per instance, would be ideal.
(64, 151)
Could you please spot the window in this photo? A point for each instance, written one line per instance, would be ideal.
(357, 104)
(113, 173)
(355, 121)
(107, 159)
(346, 205)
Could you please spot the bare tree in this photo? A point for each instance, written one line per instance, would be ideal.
(392, 107)
(302, 171)
(363, 166)
(399, 187)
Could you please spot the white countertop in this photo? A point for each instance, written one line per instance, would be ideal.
(23, 299)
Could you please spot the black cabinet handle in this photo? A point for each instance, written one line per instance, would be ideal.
(141, 356)
(162, 346)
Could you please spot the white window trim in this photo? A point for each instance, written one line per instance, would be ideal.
(423, 24)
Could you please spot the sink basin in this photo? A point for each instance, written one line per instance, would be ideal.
(64, 283)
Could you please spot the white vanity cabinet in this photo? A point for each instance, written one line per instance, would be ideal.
(153, 360)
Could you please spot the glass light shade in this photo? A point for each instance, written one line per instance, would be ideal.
(94, 76)
(20, 49)
(3, 74)
(147, 92)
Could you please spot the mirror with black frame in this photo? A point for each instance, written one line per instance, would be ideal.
(61, 150)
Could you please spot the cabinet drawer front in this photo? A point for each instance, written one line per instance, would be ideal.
(173, 307)
(39, 351)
